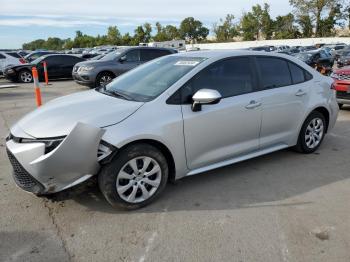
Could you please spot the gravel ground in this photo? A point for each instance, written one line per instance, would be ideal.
(280, 207)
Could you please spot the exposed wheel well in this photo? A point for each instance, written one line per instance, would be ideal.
(325, 113)
(166, 152)
(105, 71)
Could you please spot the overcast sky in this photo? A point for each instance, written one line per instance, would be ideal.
(26, 20)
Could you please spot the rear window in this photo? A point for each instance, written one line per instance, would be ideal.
(298, 75)
(274, 72)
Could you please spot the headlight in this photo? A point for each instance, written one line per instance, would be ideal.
(85, 68)
(335, 76)
(50, 144)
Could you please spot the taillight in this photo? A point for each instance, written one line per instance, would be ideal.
(22, 60)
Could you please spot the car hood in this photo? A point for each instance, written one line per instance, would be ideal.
(26, 65)
(58, 117)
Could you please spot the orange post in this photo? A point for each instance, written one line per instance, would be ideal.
(45, 73)
(36, 86)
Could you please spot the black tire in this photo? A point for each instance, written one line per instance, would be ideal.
(100, 78)
(107, 179)
(25, 74)
(302, 146)
(340, 106)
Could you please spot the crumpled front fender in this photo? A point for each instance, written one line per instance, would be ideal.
(74, 159)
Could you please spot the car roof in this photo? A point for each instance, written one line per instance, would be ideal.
(228, 53)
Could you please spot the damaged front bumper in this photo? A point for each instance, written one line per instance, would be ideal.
(43, 170)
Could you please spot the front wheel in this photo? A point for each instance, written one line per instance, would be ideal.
(312, 133)
(135, 177)
(25, 76)
(103, 79)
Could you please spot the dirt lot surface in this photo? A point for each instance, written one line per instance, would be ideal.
(280, 207)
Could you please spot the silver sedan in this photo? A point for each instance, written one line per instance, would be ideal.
(176, 116)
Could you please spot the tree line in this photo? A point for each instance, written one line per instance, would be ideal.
(309, 18)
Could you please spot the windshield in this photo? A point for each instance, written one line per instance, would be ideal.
(111, 55)
(146, 82)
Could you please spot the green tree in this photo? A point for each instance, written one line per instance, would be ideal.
(166, 33)
(193, 30)
(249, 27)
(142, 34)
(305, 24)
(316, 9)
(328, 23)
(113, 36)
(257, 23)
(285, 28)
(226, 30)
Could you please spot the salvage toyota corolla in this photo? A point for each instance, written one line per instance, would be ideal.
(173, 117)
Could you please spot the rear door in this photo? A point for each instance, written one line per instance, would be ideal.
(284, 94)
(67, 65)
(54, 63)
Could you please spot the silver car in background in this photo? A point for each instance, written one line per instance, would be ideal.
(173, 117)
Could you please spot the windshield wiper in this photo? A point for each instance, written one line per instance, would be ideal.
(120, 94)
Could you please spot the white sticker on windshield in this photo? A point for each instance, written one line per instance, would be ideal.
(187, 63)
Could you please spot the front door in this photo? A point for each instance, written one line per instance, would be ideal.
(230, 128)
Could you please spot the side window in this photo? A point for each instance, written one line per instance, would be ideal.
(274, 72)
(2, 56)
(71, 60)
(53, 60)
(230, 77)
(133, 56)
(298, 75)
(147, 55)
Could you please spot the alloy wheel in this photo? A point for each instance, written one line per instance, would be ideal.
(104, 80)
(26, 77)
(314, 133)
(138, 179)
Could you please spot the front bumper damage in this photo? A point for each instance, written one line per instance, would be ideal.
(73, 161)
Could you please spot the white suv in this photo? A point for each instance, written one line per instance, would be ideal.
(8, 60)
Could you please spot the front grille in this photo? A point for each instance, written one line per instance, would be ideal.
(343, 95)
(22, 178)
(343, 77)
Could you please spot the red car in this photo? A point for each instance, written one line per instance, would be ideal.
(342, 85)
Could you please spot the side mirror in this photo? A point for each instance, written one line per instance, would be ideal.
(122, 59)
(205, 97)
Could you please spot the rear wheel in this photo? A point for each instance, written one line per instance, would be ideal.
(136, 176)
(25, 76)
(312, 133)
(103, 79)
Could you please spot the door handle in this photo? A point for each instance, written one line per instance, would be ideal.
(300, 93)
(253, 104)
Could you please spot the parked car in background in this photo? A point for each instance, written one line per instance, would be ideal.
(342, 85)
(316, 58)
(177, 116)
(341, 52)
(9, 59)
(36, 54)
(58, 66)
(99, 73)
(344, 58)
